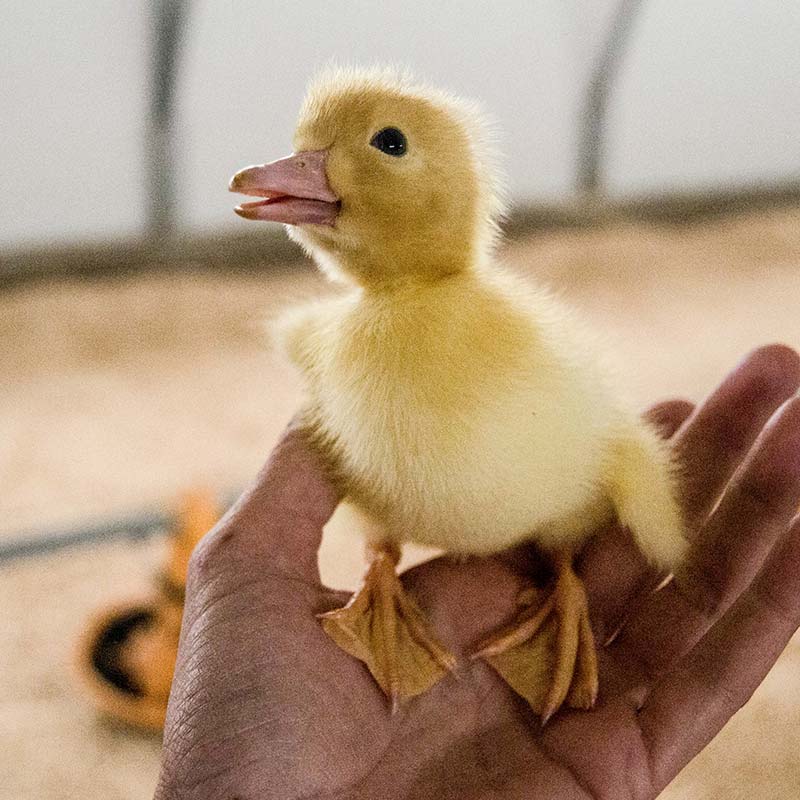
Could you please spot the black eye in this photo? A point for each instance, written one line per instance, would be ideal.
(390, 141)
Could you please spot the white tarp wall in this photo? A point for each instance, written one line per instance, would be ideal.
(708, 96)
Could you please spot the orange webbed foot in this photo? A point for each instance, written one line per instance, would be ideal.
(547, 654)
(383, 627)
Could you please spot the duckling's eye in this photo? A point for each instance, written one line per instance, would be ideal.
(390, 141)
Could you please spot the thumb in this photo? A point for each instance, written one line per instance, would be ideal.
(275, 527)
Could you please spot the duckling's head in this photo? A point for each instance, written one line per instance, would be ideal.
(390, 183)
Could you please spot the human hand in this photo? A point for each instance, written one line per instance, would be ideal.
(264, 705)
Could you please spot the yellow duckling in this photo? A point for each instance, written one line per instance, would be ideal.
(461, 408)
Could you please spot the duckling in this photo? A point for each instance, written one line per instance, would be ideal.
(459, 407)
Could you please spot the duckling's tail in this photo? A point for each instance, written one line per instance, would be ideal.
(642, 488)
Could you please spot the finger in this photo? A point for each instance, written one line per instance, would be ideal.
(612, 567)
(720, 433)
(689, 706)
(276, 525)
(759, 503)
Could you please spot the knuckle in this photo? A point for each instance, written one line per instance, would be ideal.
(760, 493)
(210, 552)
(703, 591)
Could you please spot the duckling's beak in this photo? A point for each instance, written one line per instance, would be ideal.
(295, 190)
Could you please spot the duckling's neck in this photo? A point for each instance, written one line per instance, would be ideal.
(406, 317)
(400, 271)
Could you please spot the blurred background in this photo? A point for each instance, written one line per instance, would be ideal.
(653, 155)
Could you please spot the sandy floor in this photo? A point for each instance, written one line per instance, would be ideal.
(115, 396)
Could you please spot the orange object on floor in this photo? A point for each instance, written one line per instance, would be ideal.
(126, 656)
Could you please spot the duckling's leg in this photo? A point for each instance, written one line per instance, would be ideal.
(383, 627)
(547, 655)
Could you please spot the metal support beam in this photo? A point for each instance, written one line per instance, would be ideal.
(594, 114)
(168, 23)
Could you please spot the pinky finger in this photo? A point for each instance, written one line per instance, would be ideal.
(691, 703)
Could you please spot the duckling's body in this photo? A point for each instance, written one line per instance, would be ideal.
(471, 414)
(460, 407)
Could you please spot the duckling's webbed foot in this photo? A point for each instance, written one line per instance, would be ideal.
(547, 654)
(383, 627)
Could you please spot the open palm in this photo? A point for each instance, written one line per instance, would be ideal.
(265, 705)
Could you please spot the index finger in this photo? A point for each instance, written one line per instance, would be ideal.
(276, 524)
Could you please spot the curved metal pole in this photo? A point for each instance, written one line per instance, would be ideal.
(591, 144)
(168, 25)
